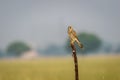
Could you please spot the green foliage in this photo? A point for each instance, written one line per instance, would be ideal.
(17, 48)
(91, 43)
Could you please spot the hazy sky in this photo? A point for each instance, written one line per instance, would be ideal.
(43, 22)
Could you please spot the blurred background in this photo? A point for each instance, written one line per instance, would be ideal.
(38, 28)
(42, 24)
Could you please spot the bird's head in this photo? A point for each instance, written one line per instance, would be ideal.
(70, 28)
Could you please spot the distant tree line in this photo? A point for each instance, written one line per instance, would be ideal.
(92, 43)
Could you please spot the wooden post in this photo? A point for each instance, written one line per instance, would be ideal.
(75, 62)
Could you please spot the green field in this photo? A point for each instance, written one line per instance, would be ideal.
(90, 68)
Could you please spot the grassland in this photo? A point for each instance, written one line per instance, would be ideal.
(90, 68)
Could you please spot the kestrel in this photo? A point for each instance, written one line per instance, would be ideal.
(73, 37)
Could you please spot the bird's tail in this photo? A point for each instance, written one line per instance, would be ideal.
(79, 43)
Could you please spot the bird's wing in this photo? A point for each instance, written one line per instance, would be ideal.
(74, 33)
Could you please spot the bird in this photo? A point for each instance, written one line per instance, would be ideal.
(73, 37)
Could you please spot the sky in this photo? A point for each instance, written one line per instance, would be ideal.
(44, 22)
